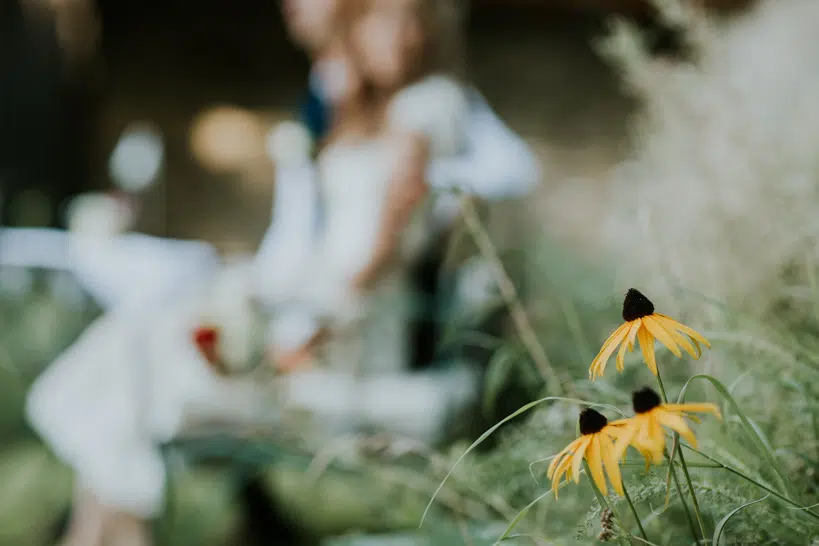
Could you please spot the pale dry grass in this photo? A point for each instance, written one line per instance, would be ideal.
(720, 194)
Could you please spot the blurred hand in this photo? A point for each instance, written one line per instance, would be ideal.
(407, 190)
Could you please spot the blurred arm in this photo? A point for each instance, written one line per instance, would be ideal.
(289, 239)
(497, 164)
(407, 188)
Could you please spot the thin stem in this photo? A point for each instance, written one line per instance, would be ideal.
(692, 465)
(682, 500)
(604, 504)
(815, 428)
(697, 511)
(510, 295)
(687, 475)
(762, 486)
(634, 513)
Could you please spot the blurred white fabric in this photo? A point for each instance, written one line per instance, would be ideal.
(136, 378)
(112, 266)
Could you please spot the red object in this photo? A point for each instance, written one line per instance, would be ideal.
(206, 339)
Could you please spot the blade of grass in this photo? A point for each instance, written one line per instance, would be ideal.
(749, 429)
(495, 427)
(724, 521)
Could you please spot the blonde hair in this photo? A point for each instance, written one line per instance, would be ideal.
(440, 52)
(440, 20)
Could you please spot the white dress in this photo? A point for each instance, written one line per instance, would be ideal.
(135, 379)
(369, 330)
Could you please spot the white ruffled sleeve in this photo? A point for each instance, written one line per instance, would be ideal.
(288, 242)
(495, 164)
(437, 107)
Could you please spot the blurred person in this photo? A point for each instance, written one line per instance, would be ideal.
(391, 116)
(494, 164)
(144, 374)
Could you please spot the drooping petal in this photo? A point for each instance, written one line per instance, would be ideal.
(632, 333)
(556, 459)
(680, 339)
(577, 458)
(621, 354)
(561, 469)
(598, 365)
(628, 343)
(650, 458)
(647, 347)
(661, 335)
(628, 429)
(676, 423)
(610, 460)
(702, 407)
(650, 436)
(690, 332)
(595, 460)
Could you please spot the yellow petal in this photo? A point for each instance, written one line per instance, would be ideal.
(632, 333)
(690, 332)
(564, 466)
(627, 432)
(555, 483)
(550, 472)
(650, 436)
(556, 458)
(627, 343)
(621, 356)
(598, 365)
(676, 423)
(702, 407)
(650, 458)
(559, 471)
(678, 338)
(661, 335)
(577, 459)
(610, 460)
(647, 347)
(595, 461)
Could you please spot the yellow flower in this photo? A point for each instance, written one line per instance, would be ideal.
(644, 325)
(596, 445)
(645, 430)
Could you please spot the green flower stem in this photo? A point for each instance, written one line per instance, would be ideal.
(634, 512)
(677, 449)
(682, 499)
(762, 486)
(691, 465)
(605, 504)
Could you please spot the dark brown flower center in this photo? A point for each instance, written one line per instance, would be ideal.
(592, 422)
(636, 305)
(645, 400)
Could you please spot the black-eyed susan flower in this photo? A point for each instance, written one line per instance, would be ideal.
(644, 325)
(645, 431)
(596, 445)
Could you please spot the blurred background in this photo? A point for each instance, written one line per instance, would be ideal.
(211, 77)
